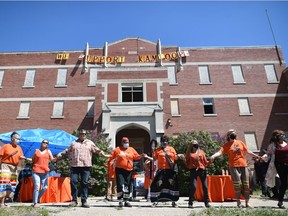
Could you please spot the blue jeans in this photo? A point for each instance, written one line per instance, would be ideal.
(39, 179)
(84, 173)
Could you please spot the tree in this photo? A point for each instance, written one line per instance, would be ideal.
(208, 144)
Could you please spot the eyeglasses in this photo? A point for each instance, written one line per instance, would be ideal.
(45, 143)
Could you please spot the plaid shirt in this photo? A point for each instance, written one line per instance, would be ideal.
(81, 153)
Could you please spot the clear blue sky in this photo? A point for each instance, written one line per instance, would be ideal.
(68, 25)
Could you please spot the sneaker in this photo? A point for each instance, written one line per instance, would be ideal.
(73, 204)
(85, 205)
(154, 204)
(207, 205)
(190, 205)
(280, 205)
(174, 205)
(36, 205)
(127, 204)
(120, 204)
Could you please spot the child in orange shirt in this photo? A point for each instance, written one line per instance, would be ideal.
(111, 181)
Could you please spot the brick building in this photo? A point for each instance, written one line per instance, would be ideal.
(141, 89)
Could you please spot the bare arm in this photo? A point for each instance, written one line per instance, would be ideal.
(217, 154)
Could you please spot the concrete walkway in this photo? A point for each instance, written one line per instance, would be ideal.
(100, 206)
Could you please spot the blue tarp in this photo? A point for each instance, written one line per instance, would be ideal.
(31, 139)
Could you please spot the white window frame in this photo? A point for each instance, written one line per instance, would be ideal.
(251, 141)
(204, 75)
(1, 77)
(58, 109)
(90, 109)
(171, 70)
(93, 76)
(61, 78)
(29, 79)
(24, 110)
(209, 102)
(175, 111)
(237, 73)
(132, 86)
(244, 107)
(271, 73)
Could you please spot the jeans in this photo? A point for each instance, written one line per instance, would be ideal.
(193, 183)
(39, 179)
(84, 173)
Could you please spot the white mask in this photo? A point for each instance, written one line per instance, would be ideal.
(126, 145)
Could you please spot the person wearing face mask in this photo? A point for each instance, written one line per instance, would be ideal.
(81, 151)
(124, 156)
(281, 164)
(165, 184)
(196, 162)
(10, 155)
(236, 149)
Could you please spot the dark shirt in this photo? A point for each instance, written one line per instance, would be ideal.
(281, 154)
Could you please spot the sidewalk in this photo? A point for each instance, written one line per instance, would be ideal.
(100, 206)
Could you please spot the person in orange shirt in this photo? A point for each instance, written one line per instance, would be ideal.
(124, 156)
(196, 162)
(10, 155)
(165, 184)
(41, 159)
(111, 181)
(236, 149)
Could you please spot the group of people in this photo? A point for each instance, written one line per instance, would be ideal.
(163, 182)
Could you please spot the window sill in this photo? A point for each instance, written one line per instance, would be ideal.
(28, 87)
(205, 83)
(57, 117)
(273, 82)
(210, 115)
(60, 86)
(173, 84)
(22, 117)
(239, 83)
(91, 85)
(246, 114)
(176, 115)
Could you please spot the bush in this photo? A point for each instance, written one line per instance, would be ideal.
(98, 178)
(208, 145)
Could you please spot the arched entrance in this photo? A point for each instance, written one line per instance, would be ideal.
(139, 138)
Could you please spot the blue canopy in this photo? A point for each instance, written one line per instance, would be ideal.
(31, 139)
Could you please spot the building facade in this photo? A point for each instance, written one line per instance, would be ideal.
(141, 89)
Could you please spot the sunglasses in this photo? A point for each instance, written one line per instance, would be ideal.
(45, 143)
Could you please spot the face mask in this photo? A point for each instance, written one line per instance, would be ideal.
(195, 145)
(232, 136)
(165, 143)
(16, 141)
(126, 145)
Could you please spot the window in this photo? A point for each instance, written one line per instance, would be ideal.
(172, 75)
(93, 77)
(271, 74)
(132, 92)
(1, 78)
(61, 78)
(208, 105)
(250, 140)
(237, 74)
(204, 75)
(24, 110)
(90, 110)
(174, 108)
(29, 79)
(244, 106)
(58, 109)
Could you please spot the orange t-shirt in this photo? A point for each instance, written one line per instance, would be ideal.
(11, 154)
(124, 157)
(41, 161)
(160, 156)
(196, 161)
(235, 151)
